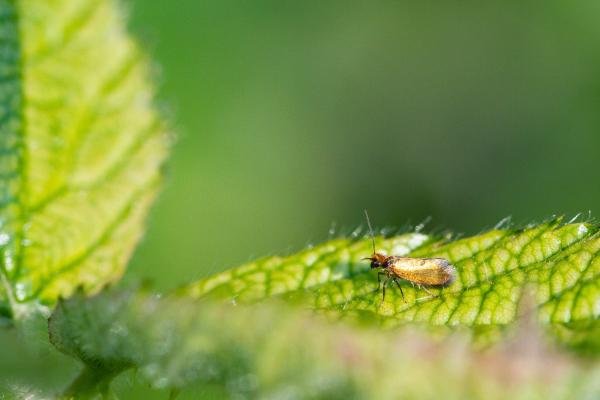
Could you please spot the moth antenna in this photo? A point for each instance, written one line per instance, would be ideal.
(370, 229)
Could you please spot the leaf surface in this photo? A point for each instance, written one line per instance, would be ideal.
(81, 147)
(270, 351)
(508, 281)
(556, 264)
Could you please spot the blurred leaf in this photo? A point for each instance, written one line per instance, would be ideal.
(267, 351)
(81, 145)
(557, 263)
(20, 392)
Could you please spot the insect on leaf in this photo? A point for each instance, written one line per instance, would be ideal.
(555, 264)
(81, 147)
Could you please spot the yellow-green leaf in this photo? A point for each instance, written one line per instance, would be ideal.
(81, 146)
(556, 264)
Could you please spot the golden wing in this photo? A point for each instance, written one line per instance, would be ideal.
(423, 271)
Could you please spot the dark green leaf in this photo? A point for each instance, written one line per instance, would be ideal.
(274, 351)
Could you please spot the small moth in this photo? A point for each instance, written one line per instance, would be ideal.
(422, 272)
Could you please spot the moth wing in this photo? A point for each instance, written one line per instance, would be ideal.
(424, 271)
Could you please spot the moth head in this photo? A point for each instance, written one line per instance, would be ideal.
(377, 260)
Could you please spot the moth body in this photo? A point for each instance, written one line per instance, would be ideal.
(422, 272)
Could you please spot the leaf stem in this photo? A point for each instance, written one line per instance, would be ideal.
(9, 290)
(89, 383)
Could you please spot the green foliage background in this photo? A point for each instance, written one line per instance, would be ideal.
(294, 116)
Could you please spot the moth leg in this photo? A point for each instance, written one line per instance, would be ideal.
(427, 290)
(400, 287)
(379, 280)
(384, 284)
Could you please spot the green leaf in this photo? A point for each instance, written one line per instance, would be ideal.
(81, 146)
(556, 263)
(271, 351)
(19, 392)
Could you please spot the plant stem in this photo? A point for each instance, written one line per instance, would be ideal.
(90, 383)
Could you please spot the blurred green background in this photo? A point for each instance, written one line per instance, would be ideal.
(294, 116)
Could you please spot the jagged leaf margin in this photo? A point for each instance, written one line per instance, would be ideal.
(556, 263)
(81, 146)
